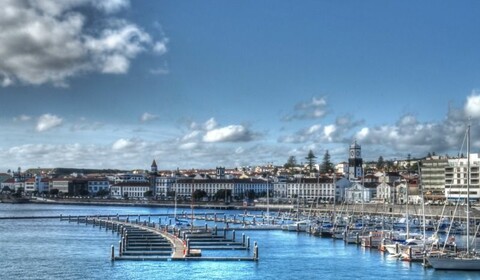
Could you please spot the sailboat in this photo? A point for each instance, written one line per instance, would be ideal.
(466, 260)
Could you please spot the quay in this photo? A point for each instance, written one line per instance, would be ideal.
(148, 241)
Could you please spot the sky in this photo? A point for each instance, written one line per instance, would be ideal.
(200, 84)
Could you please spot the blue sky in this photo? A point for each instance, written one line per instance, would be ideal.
(199, 84)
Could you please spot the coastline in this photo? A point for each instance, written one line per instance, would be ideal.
(391, 210)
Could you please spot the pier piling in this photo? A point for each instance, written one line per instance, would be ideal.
(113, 253)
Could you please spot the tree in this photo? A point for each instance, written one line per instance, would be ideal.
(380, 163)
(251, 194)
(222, 195)
(102, 192)
(54, 191)
(326, 165)
(199, 194)
(291, 162)
(310, 160)
(148, 194)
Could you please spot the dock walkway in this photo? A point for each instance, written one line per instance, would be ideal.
(145, 241)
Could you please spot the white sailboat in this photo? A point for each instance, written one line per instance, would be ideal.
(466, 260)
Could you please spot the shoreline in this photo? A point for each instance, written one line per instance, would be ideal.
(393, 210)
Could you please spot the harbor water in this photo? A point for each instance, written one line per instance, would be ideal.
(54, 249)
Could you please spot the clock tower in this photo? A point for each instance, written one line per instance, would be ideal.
(355, 161)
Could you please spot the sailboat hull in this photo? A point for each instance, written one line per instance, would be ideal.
(455, 263)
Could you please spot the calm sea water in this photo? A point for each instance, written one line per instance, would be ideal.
(54, 249)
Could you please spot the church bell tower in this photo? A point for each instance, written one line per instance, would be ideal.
(355, 161)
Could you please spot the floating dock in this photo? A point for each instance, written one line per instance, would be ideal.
(147, 241)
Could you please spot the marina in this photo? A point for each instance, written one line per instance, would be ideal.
(72, 243)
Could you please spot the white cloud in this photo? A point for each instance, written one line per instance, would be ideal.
(146, 117)
(22, 118)
(472, 106)
(48, 41)
(314, 129)
(191, 136)
(121, 144)
(329, 130)
(160, 47)
(315, 108)
(210, 124)
(47, 122)
(231, 133)
(188, 146)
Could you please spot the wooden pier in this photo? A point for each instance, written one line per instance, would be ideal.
(147, 241)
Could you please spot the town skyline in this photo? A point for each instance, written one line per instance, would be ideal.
(119, 83)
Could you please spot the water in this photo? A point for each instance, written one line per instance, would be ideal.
(54, 249)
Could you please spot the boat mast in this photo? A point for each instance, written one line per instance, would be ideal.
(423, 204)
(268, 200)
(468, 189)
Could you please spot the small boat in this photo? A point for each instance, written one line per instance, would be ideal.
(297, 226)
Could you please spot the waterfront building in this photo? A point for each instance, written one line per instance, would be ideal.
(241, 187)
(37, 184)
(320, 189)
(96, 184)
(400, 195)
(185, 187)
(432, 174)
(355, 162)
(384, 192)
(456, 174)
(130, 177)
(359, 192)
(61, 184)
(386, 189)
(8, 184)
(280, 187)
(312, 189)
(134, 190)
(70, 186)
(163, 186)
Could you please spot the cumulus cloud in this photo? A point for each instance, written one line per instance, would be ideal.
(146, 117)
(472, 106)
(210, 132)
(160, 47)
(231, 133)
(333, 133)
(49, 41)
(47, 122)
(122, 144)
(410, 136)
(315, 108)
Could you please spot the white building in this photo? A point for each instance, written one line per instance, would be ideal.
(131, 190)
(163, 185)
(359, 193)
(320, 189)
(237, 187)
(37, 184)
(456, 174)
(130, 177)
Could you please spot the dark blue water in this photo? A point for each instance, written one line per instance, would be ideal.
(54, 249)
